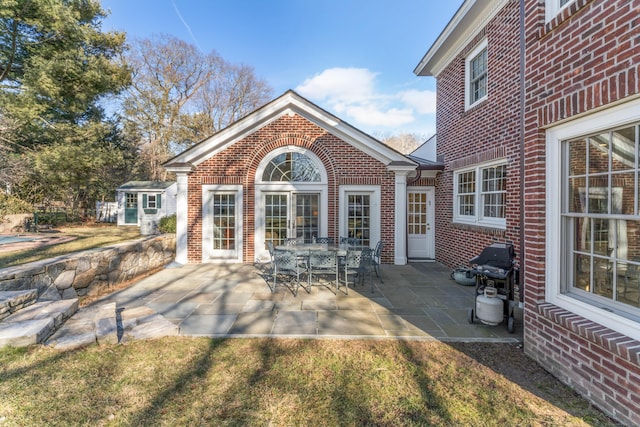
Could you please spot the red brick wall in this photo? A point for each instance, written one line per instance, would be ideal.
(488, 131)
(237, 164)
(585, 59)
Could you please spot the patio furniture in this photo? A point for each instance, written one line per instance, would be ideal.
(377, 252)
(293, 241)
(271, 249)
(353, 241)
(323, 263)
(632, 282)
(288, 268)
(325, 240)
(357, 264)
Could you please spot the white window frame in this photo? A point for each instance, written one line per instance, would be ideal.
(553, 7)
(152, 199)
(610, 118)
(477, 218)
(262, 187)
(467, 76)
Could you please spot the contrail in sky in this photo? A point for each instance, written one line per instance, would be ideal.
(186, 25)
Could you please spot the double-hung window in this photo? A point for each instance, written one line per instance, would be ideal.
(476, 73)
(593, 217)
(480, 195)
(553, 7)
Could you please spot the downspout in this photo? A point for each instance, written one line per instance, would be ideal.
(522, 153)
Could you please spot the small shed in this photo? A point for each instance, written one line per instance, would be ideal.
(143, 203)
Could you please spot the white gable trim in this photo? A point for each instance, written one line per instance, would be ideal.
(288, 104)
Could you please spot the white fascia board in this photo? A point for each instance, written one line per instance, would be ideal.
(472, 17)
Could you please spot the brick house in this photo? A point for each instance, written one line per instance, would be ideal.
(292, 170)
(538, 102)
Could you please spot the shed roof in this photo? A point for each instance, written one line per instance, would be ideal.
(146, 185)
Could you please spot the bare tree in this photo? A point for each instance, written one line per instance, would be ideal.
(180, 96)
(404, 143)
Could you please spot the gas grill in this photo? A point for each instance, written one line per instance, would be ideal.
(494, 269)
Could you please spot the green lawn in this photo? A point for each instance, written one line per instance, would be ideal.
(183, 381)
(86, 237)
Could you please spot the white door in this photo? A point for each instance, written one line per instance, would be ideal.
(420, 219)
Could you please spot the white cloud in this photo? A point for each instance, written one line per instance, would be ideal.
(424, 101)
(339, 85)
(352, 94)
(374, 116)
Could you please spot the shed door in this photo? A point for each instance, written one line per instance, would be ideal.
(131, 208)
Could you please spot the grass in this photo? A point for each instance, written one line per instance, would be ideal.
(269, 382)
(86, 237)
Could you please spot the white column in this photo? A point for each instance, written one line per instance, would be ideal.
(182, 219)
(401, 218)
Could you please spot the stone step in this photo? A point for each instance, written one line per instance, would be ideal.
(105, 323)
(93, 324)
(36, 322)
(12, 301)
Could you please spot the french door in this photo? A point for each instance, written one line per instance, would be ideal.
(291, 215)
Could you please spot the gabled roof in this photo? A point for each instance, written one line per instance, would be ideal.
(471, 17)
(146, 185)
(289, 103)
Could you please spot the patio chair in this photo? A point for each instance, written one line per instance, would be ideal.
(632, 281)
(323, 264)
(325, 240)
(293, 241)
(288, 268)
(271, 248)
(351, 241)
(377, 252)
(357, 264)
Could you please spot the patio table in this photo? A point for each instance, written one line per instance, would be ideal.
(304, 248)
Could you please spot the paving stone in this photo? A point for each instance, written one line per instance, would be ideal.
(106, 330)
(75, 333)
(207, 324)
(27, 332)
(155, 326)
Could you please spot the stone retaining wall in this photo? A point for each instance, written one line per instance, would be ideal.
(11, 223)
(92, 272)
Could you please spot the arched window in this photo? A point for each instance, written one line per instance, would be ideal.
(291, 167)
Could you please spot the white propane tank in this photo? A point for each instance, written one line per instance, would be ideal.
(489, 309)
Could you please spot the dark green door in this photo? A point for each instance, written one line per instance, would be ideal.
(131, 208)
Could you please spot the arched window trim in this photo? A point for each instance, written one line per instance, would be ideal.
(289, 149)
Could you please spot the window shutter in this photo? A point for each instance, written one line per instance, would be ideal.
(144, 201)
(159, 201)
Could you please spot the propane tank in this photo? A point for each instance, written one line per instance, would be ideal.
(489, 308)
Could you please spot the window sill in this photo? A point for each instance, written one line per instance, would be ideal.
(489, 229)
(613, 341)
(562, 16)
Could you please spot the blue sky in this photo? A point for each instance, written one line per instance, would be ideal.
(354, 58)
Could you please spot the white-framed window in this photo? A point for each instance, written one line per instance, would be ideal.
(476, 73)
(593, 218)
(480, 195)
(151, 201)
(360, 218)
(553, 7)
